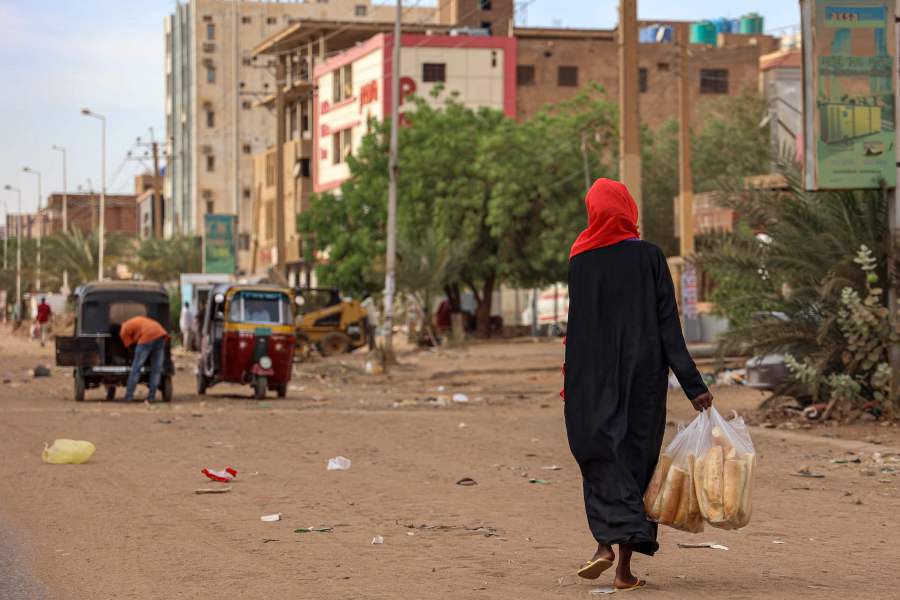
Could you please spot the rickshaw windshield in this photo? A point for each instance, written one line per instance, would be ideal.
(251, 306)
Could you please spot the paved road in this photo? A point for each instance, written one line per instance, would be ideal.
(16, 580)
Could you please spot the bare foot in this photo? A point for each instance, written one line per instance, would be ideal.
(604, 551)
(624, 581)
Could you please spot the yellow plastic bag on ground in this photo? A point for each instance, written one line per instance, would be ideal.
(65, 451)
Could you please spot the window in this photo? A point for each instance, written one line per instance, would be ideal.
(486, 25)
(270, 169)
(246, 193)
(244, 242)
(662, 66)
(642, 80)
(271, 20)
(304, 167)
(210, 207)
(210, 74)
(486, 5)
(210, 118)
(246, 61)
(210, 31)
(210, 163)
(341, 146)
(524, 74)
(246, 20)
(207, 18)
(246, 105)
(342, 84)
(434, 72)
(360, 10)
(247, 149)
(713, 81)
(567, 76)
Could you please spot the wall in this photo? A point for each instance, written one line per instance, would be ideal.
(83, 211)
(597, 61)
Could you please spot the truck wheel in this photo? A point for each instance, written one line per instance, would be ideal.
(281, 390)
(79, 386)
(202, 383)
(167, 388)
(110, 392)
(260, 386)
(335, 343)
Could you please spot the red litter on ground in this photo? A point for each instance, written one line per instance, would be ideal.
(225, 476)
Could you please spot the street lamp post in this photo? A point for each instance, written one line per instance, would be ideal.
(65, 210)
(40, 234)
(5, 233)
(89, 113)
(18, 250)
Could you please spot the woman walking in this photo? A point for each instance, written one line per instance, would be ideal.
(623, 336)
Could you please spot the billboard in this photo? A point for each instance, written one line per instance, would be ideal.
(219, 243)
(848, 94)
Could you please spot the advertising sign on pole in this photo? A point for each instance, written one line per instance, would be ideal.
(219, 244)
(848, 94)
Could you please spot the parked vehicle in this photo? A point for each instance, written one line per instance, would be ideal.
(98, 357)
(552, 309)
(195, 288)
(329, 323)
(247, 337)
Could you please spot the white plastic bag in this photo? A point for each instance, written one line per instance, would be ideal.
(338, 463)
(715, 459)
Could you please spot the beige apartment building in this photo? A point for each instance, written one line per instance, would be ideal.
(213, 80)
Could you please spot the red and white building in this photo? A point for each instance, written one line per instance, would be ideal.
(354, 87)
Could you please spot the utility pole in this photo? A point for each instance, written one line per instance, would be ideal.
(685, 178)
(40, 228)
(235, 116)
(390, 275)
(629, 118)
(102, 242)
(157, 189)
(280, 135)
(17, 313)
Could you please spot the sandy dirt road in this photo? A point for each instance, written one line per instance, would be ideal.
(127, 524)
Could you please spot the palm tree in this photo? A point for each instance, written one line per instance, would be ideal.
(78, 253)
(165, 259)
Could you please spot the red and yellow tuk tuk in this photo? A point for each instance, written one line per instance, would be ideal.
(247, 336)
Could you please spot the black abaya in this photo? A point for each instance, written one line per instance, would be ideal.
(623, 335)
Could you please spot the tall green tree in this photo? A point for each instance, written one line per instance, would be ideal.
(164, 260)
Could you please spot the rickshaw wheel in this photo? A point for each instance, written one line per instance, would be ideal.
(202, 384)
(260, 386)
(167, 388)
(110, 392)
(79, 386)
(335, 343)
(281, 390)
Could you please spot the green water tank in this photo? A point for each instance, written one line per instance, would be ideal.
(751, 24)
(703, 33)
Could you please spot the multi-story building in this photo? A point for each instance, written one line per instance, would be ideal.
(781, 82)
(326, 107)
(213, 80)
(83, 213)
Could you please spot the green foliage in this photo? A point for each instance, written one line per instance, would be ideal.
(164, 260)
(819, 265)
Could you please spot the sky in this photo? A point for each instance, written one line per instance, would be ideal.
(57, 56)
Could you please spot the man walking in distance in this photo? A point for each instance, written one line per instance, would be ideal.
(43, 319)
(185, 323)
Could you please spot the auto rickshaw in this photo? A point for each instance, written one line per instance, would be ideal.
(247, 337)
(98, 357)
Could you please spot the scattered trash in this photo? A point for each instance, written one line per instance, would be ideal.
(731, 377)
(212, 490)
(314, 530)
(843, 461)
(805, 472)
(441, 388)
(551, 468)
(778, 542)
(712, 545)
(65, 451)
(40, 371)
(225, 475)
(460, 398)
(461, 425)
(540, 481)
(467, 481)
(196, 415)
(267, 540)
(377, 540)
(270, 518)
(164, 421)
(603, 590)
(338, 463)
(374, 367)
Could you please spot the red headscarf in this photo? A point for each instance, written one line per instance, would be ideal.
(612, 217)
